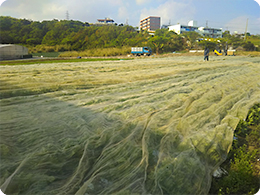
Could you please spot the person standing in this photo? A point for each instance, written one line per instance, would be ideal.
(206, 54)
(226, 48)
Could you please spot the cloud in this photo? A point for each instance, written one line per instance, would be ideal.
(1, 1)
(258, 1)
(123, 12)
(140, 2)
(174, 11)
(239, 24)
(35, 10)
(89, 10)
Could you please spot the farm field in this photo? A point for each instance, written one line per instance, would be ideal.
(142, 126)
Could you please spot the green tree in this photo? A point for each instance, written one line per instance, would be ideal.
(226, 34)
(191, 39)
(165, 41)
(210, 44)
(248, 46)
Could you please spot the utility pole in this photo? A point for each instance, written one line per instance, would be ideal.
(207, 23)
(246, 28)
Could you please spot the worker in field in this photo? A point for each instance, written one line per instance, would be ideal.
(206, 54)
(226, 48)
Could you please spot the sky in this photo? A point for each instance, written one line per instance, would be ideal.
(229, 15)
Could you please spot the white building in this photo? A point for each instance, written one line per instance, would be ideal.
(210, 32)
(179, 28)
(192, 27)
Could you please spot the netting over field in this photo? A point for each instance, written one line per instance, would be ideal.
(148, 126)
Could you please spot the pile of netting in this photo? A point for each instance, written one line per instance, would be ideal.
(162, 135)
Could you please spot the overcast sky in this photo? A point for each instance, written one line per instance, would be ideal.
(227, 14)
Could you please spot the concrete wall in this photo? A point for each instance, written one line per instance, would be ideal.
(9, 51)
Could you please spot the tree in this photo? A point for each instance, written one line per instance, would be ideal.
(226, 34)
(165, 41)
(191, 38)
(248, 46)
(211, 45)
(159, 40)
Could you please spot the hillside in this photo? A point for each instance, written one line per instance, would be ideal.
(151, 125)
(69, 35)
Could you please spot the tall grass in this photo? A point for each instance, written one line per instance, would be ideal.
(46, 48)
(99, 52)
(65, 51)
(248, 53)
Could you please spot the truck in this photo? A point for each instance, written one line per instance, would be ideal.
(138, 51)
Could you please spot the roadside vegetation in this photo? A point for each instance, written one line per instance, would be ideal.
(78, 38)
(243, 163)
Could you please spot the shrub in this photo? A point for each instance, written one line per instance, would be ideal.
(248, 46)
(241, 178)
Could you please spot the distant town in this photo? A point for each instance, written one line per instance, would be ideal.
(152, 23)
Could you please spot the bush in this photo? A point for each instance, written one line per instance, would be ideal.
(241, 178)
(248, 46)
(50, 50)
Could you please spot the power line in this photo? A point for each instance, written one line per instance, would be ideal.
(67, 15)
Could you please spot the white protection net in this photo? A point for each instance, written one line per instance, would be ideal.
(149, 126)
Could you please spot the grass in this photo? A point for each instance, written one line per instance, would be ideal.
(47, 54)
(45, 49)
(57, 60)
(248, 53)
(98, 52)
(253, 40)
(121, 127)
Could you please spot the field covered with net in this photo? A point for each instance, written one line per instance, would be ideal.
(143, 126)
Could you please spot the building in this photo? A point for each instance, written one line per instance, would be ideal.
(10, 52)
(192, 27)
(150, 23)
(105, 21)
(165, 26)
(179, 28)
(211, 32)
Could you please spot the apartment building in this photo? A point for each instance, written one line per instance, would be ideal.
(211, 32)
(150, 23)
